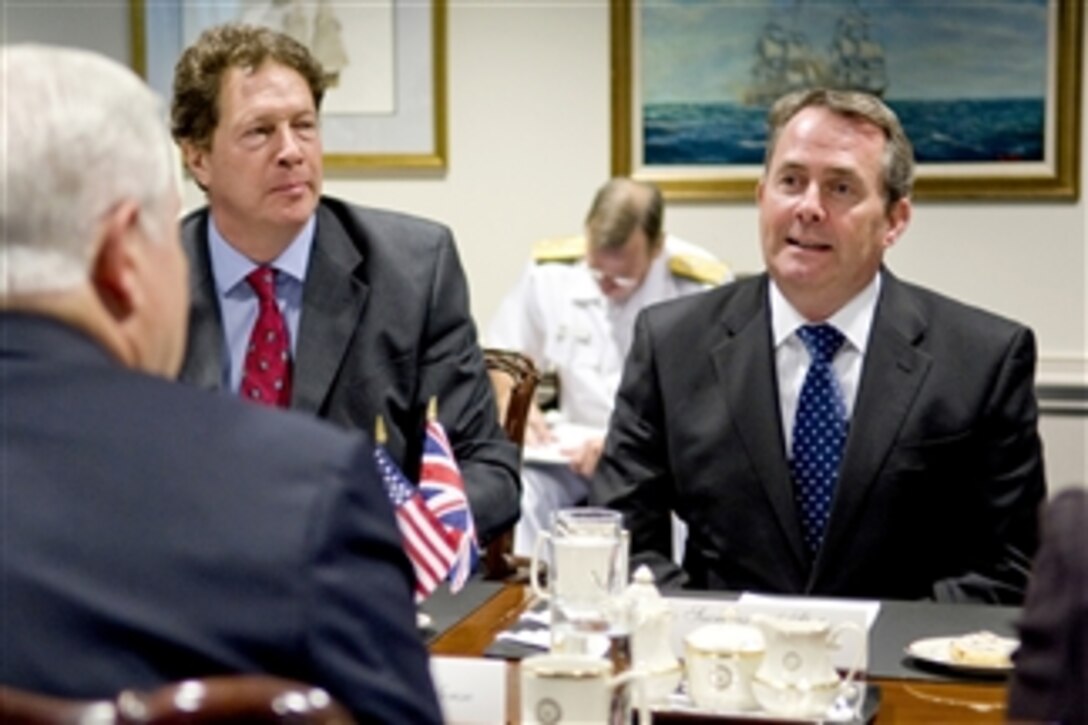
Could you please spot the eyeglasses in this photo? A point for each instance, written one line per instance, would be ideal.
(623, 282)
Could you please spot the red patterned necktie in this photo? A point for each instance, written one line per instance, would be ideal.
(267, 373)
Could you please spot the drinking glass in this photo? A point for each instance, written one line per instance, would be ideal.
(586, 577)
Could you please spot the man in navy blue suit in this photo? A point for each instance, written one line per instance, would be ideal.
(1051, 665)
(151, 531)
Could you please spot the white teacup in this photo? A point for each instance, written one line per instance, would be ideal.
(571, 688)
(721, 661)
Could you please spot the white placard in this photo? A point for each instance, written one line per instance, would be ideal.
(691, 613)
(470, 690)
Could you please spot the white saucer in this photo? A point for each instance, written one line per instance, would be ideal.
(938, 651)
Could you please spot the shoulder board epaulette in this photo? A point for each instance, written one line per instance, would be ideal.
(700, 269)
(559, 249)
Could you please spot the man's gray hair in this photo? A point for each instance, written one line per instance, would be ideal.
(79, 134)
(898, 164)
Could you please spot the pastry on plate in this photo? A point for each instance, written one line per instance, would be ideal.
(982, 649)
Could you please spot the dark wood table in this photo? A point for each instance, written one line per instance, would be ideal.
(906, 696)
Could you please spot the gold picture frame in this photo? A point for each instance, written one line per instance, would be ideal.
(1055, 177)
(410, 135)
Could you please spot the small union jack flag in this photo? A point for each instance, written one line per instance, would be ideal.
(443, 491)
(430, 546)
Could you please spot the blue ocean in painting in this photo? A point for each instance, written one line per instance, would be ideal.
(943, 131)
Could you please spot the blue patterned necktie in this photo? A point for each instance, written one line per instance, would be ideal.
(819, 433)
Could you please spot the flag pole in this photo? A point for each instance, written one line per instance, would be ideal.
(432, 409)
(380, 436)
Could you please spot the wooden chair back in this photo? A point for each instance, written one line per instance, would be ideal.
(206, 701)
(21, 707)
(514, 379)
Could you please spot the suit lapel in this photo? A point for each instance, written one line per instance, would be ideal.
(332, 304)
(746, 371)
(204, 356)
(890, 380)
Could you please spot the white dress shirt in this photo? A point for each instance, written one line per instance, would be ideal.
(558, 316)
(854, 320)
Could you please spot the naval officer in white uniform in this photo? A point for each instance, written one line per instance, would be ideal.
(573, 312)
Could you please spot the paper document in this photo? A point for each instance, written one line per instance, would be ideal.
(567, 436)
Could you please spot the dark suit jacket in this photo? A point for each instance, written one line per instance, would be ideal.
(1050, 677)
(385, 326)
(941, 476)
(152, 532)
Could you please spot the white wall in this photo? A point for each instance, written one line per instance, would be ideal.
(529, 140)
(529, 135)
(100, 25)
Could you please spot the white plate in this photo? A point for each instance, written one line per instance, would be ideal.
(938, 651)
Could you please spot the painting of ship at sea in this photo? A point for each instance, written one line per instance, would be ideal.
(786, 60)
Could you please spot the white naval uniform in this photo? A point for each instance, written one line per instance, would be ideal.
(557, 315)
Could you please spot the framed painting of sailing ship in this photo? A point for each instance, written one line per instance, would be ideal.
(384, 61)
(988, 92)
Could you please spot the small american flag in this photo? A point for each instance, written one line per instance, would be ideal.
(443, 490)
(429, 545)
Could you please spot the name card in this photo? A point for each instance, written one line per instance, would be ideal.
(470, 690)
(852, 649)
(689, 614)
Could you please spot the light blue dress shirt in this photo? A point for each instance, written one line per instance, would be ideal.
(238, 301)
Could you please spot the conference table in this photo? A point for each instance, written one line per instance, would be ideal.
(466, 624)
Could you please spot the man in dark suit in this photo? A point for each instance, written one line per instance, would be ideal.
(931, 469)
(153, 532)
(1051, 665)
(375, 303)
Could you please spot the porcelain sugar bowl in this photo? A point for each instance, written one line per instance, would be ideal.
(721, 659)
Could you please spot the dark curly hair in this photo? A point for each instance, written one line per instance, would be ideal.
(198, 75)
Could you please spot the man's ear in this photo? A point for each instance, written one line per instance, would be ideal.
(196, 160)
(113, 267)
(658, 246)
(898, 219)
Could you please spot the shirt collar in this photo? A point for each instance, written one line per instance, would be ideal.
(853, 320)
(230, 267)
